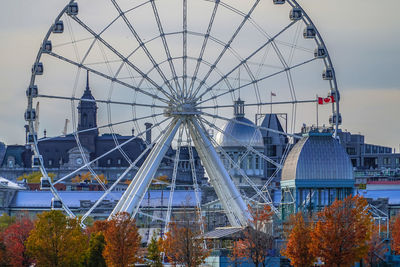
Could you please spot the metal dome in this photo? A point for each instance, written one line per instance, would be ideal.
(245, 134)
(317, 156)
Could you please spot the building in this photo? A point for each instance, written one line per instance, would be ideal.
(64, 154)
(316, 172)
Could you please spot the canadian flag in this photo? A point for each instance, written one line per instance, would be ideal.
(326, 100)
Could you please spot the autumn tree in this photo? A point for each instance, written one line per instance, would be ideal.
(395, 231)
(341, 233)
(122, 241)
(56, 240)
(154, 251)
(299, 238)
(14, 238)
(183, 243)
(5, 221)
(34, 177)
(257, 238)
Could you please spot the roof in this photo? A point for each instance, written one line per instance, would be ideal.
(317, 156)
(42, 199)
(383, 182)
(4, 183)
(271, 121)
(245, 134)
(222, 232)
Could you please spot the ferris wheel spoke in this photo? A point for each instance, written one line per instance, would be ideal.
(133, 165)
(134, 194)
(101, 101)
(257, 80)
(184, 48)
(236, 166)
(173, 181)
(107, 77)
(110, 151)
(144, 48)
(242, 144)
(203, 46)
(260, 104)
(226, 191)
(124, 59)
(246, 59)
(238, 29)
(195, 182)
(165, 45)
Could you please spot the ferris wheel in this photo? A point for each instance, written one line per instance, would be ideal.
(183, 66)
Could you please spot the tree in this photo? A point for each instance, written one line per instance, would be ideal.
(395, 225)
(154, 251)
(5, 221)
(297, 248)
(257, 238)
(122, 241)
(14, 238)
(94, 257)
(341, 233)
(183, 243)
(56, 240)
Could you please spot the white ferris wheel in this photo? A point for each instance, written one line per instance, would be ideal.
(181, 65)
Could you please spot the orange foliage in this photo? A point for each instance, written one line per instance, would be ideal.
(340, 236)
(297, 248)
(258, 239)
(122, 240)
(14, 238)
(376, 248)
(183, 243)
(396, 234)
(88, 177)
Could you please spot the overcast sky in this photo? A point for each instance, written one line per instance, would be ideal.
(363, 38)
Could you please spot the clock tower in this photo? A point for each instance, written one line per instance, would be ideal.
(87, 119)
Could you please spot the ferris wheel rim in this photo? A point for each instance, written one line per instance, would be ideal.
(327, 61)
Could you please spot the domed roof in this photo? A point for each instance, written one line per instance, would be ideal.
(317, 156)
(246, 134)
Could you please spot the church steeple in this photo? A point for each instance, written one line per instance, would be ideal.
(87, 110)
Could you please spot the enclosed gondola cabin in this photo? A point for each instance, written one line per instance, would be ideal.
(56, 204)
(30, 114)
(279, 2)
(32, 91)
(44, 184)
(58, 27)
(320, 52)
(72, 9)
(309, 32)
(334, 117)
(37, 68)
(36, 161)
(47, 47)
(295, 14)
(327, 74)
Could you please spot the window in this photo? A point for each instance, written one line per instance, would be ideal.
(50, 162)
(119, 161)
(108, 161)
(386, 161)
(257, 162)
(397, 161)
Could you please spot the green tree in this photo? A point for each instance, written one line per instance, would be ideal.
(154, 251)
(94, 257)
(5, 221)
(57, 240)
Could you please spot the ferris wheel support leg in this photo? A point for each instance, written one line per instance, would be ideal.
(231, 200)
(133, 196)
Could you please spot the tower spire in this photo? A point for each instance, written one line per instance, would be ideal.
(87, 81)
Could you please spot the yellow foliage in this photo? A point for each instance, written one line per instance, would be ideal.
(81, 178)
(34, 177)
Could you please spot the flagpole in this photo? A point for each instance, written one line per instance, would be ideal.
(271, 102)
(317, 110)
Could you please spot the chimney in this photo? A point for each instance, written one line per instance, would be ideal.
(133, 131)
(148, 133)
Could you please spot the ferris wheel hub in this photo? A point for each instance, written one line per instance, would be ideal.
(181, 109)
